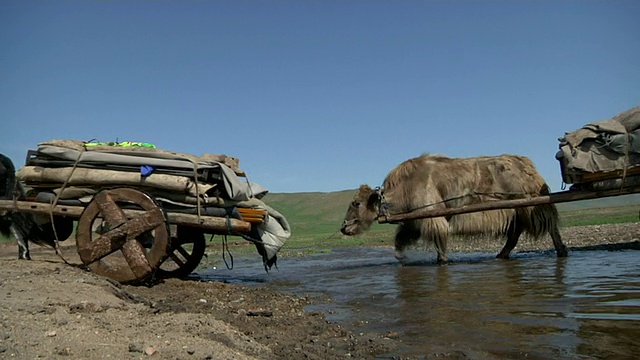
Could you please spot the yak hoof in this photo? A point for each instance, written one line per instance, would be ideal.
(562, 253)
(401, 257)
(502, 256)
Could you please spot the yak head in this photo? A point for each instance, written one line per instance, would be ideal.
(362, 211)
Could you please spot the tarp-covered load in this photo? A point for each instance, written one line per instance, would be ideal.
(603, 154)
(70, 172)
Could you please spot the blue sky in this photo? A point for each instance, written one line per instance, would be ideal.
(317, 95)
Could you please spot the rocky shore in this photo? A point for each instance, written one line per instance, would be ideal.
(49, 309)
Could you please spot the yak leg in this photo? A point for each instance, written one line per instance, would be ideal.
(561, 250)
(23, 244)
(437, 229)
(441, 248)
(513, 234)
(405, 235)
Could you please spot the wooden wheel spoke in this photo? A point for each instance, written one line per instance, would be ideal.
(101, 246)
(136, 258)
(183, 252)
(142, 223)
(176, 259)
(114, 239)
(112, 214)
(187, 249)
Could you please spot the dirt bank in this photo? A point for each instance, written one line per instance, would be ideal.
(49, 309)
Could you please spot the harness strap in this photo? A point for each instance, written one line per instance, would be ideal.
(383, 210)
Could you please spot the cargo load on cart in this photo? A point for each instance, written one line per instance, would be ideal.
(164, 201)
(603, 154)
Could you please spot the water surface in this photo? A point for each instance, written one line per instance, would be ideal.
(534, 305)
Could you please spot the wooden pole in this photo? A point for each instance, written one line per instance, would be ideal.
(558, 197)
(41, 208)
(216, 224)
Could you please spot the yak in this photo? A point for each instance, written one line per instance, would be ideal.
(25, 227)
(438, 182)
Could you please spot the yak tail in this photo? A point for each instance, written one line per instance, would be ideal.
(540, 220)
(5, 225)
(7, 185)
(23, 225)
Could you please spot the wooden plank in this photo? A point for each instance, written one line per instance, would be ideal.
(253, 215)
(104, 178)
(254, 211)
(217, 224)
(253, 220)
(607, 175)
(559, 197)
(41, 208)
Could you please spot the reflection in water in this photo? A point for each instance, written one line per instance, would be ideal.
(538, 306)
(607, 298)
(501, 308)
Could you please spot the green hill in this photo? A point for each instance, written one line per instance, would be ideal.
(313, 212)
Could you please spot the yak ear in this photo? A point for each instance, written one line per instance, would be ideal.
(364, 187)
(374, 201)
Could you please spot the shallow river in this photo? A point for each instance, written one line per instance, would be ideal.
(535, 305)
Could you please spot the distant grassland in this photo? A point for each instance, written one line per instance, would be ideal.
(316, 217)
(596, 216)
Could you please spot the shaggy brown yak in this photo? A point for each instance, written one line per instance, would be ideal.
(439, 182)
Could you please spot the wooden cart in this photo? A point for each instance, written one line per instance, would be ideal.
(123, 233)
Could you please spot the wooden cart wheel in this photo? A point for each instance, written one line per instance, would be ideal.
(185, 254)
(117, 241)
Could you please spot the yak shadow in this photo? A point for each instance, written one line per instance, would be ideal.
(630, 245)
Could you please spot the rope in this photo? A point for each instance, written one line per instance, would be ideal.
(494, 195)
(195, 179)
(251, 194)
(384, 205)
(626, 160)
(225, 249)
(225, 245)
(228, 224)
(54, 203)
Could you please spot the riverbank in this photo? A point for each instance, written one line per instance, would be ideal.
(49, 309)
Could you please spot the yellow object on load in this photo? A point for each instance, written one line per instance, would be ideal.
(122, 144)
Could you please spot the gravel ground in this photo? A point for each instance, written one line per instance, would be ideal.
(575, 238)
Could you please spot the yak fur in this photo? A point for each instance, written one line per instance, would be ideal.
(26, 227)
(7, 183)
(437, 182)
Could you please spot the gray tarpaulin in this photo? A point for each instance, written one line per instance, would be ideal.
(601, 146)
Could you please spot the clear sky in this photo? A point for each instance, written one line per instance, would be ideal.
(317, 95)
